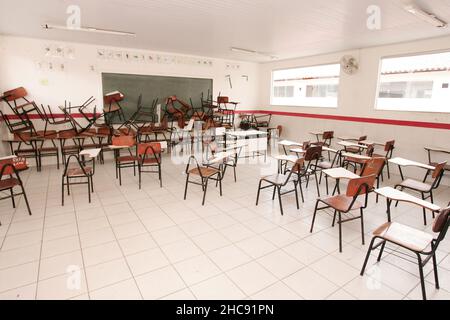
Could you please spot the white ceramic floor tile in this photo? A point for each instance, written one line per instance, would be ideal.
(18, 276)
(217, 288)
(228, 257)
(251, 278)
(256, 246)
(196, 269)
(108, 273)
(211, 241)
(62, 287)
(280, 264)
(137, 244)
(310, 285)
(101, 253)
(159, 283)
(181, 250)
(277, 291)
(125, 290)
(58, 265)
(147, 261)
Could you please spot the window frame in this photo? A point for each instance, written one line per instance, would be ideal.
(334, 62)
(404, 55)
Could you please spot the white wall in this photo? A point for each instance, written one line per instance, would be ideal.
(19, 58)
(357, 98)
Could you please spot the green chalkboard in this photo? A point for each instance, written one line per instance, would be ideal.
(154, 87)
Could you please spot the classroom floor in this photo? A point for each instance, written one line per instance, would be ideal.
(150, 244)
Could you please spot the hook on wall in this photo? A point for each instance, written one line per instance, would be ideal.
(229, 80)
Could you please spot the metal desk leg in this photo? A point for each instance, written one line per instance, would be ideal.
(388, 209)
(401, 172)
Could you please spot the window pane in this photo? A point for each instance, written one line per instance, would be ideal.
(315, 86)
(415, 83)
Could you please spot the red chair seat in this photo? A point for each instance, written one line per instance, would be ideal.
(342, 202)
(8, 183)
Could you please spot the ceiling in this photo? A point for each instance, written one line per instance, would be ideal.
(283, 28)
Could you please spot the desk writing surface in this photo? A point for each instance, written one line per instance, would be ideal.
(340, 173)
(348, 138)
(324, 148)
(297, 150)
(355, 155)
(8, 157)
(246, 133)
(368, 142)
(91, 153)
(352, 144)
(409, 163)
(289, 143)
(438, 149)
(394, 194)
(290, 158)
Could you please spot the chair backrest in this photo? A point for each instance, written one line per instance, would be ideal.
(113, 97)
(439, 169)
(389, 145)
(298, 165)
(441, 221)
(360, 185)
(150, 148)
(280, 130)
(313, 153)
(373, 166)
(222, 99)
(123, 141)
(306, 145)
(362, 138)
(328, 135)
(370, 149)
(15, 94)
(9, 166)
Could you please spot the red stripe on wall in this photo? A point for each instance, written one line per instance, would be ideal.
(407, 123)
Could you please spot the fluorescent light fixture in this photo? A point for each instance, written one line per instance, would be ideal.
(253, 52)
(48, 26)
(425, 16)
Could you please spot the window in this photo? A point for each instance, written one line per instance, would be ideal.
(315, 86)
(283, 91)
(415, 83)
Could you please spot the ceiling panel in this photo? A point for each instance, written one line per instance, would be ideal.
(285, 28)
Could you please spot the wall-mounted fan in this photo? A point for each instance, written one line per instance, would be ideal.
(349, 64)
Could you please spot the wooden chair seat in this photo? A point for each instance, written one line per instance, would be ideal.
(408, 237)
(415, 185)
(78, 172)
(342, 202)
(277, 179)
(9, 183)
(126, 159)
(205, 171)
